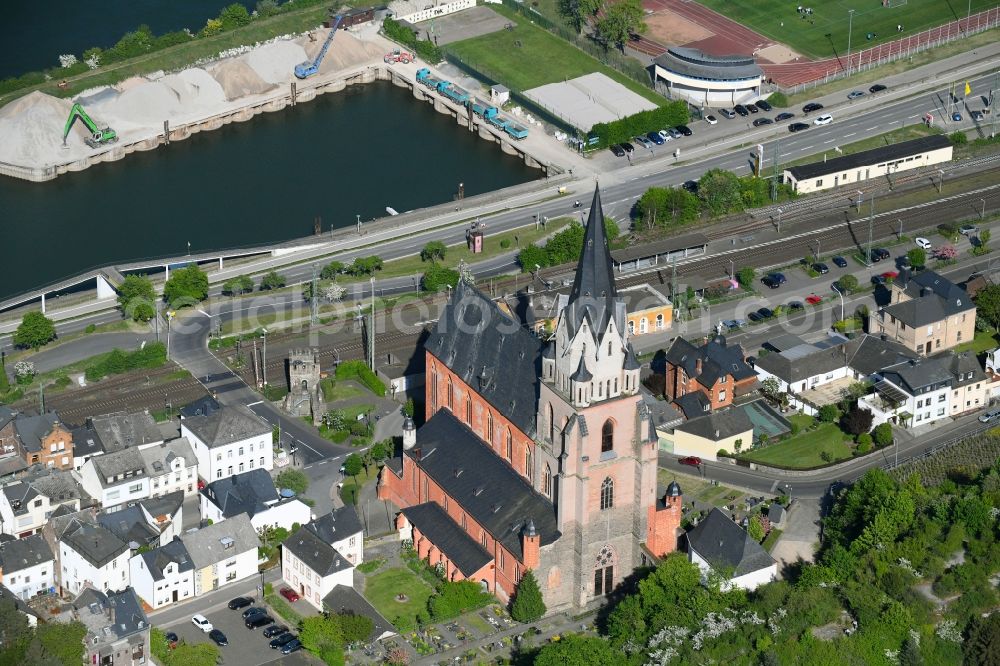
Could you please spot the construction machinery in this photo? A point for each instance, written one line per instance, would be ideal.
(307, 69)
(99, 136)
(397, 55)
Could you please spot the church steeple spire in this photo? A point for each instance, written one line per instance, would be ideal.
(594, 285)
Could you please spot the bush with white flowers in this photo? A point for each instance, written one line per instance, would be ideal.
(24, 371)
(67, 60)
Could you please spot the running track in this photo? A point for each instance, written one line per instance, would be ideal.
(734, 38)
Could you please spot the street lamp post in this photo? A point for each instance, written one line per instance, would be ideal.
(850, 24)
(263, 362)
(170, 315)
(941, 180)
(732, 270)
(779, 220)
(359, 224)
(861, 195)
(840, 292)
(982, 213)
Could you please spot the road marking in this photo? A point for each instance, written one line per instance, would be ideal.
(915, 115)
(805, 148)
(252, 404)
(322, 462)
(851, 134)
(311, 448)
(205, 313)
(830, 141)
(869, 129)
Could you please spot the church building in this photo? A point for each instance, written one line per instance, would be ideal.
(535, 454)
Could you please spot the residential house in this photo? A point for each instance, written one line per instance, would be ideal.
(122, 430)
(171, 466)
(647, 310)
(27, 566)
(149, 522)
(252, 493)
(26, 504)
(222, 553)
(8, 597)
(927, 313)
(117, 627)
(164, 575)
(229, 441)
(312, 567)
(730, 429)
(43, 440)
(342, 529)
(721, 547)
(115, 478)
(345, 600)
(91, 555)
(713, 374)
(7, 443)
(971, 388)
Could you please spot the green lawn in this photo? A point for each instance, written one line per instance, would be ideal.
(541, 58)
(809, 36)
(334, 390)
(803, 450)
(771, 539)
(381, 590)
(983, 342)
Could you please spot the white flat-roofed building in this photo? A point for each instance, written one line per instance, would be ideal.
(709, 80)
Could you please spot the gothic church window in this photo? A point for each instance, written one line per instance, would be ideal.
(607, 436)
(607, 494)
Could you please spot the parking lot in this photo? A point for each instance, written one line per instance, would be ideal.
(245, 646)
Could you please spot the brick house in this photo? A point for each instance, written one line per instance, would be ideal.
(534, 455)
(41, 440)
(927, 313)
(712, 375)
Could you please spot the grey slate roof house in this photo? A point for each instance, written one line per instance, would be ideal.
(719, 545)
(117, 627)
(123, 429)
(226, 426)
(250, 493)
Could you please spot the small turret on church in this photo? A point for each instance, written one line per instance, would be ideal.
(664, 522)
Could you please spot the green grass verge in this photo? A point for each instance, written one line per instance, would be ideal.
(805, 449)
(781, 22)
(771, 539)
(352, 485)
(381, 590)
(983, 341)
(541, 58)
(281, 607)
(334, 390)
(862, 79)
(371, 566)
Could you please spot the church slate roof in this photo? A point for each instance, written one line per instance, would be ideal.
(492, 353)
(489, 489)
(593, 294)
(462, 550)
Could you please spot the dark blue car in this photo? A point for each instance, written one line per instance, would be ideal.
(655, 138)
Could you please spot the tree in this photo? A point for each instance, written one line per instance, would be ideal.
(910, 655)
(719, 190)
(577, 649)
(917, 257)
(848, 283)
(353, 628)
(666, 207)
(829, 413)
(528, 605)
(35, 331)
(381, 450)
(366, 265)
(856, 421)
(620, 21)
(353, 464)
(186, 286)
(433, 251)
(242, 284)
(984, 238)
(64, 642)
(332, 270)
(611, 230)
(234, 16)
(272, 280)
(982, 647)
(530, 256)
(410, 408)
(745, 276)
(293, 479)
(15, 633)
(946, 252)
(333, 292)
(322, 636)
(437, 278)
(136, 297)
(988, 304)
(755, 528)
(771, 387)
(882, 434)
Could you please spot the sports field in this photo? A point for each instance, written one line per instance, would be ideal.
(823, 33)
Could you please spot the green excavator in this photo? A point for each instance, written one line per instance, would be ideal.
(98, 136)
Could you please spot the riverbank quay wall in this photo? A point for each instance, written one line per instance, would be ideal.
(282, 98)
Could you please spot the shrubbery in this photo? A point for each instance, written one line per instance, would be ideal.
(563, 248)
(455, 598)
(618, 131)
(153, 355)
(358, 370)
(397, 32)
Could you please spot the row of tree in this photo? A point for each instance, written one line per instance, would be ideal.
(564, 247)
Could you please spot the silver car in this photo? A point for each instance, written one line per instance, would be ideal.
(989, 416)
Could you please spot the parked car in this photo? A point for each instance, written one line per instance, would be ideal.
(656, 138)
(643, 141)
(258, 621)
(684, 129)
(976, 115)
(627, 147)
(825, 119)
(734, 324)
(665, 135)
(766, 313)
(256, 610)
(839, 262)
(281, 640)
(813, 299)
(770, 282)
(762, 121)
(879, 253)
(691, 186)
(202, 623)
(752, 108)
(290, 594)
(690, 460)
(674, 134)
(923, 243)
(821, 268)
(275, 630)
(957, 117)
(797, 127)
(778, 277)
(794, 306)
(878, 87)
(218, 637)
(291, 646)
(783, 116)
(617, 151)
(968, 230)
(903, 262)
(727, 113)
(711, 120)
(810, 107)
(989, 416)
(240, 602)
(741, 110)
(755, 316)
(878, 280)
(763, 105)
(890, 275)
(855, 94)
(171, 638)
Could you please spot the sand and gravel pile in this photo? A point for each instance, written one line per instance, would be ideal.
(345, 52)
(148, 104)
(275, 62)
(196, 89)
(238, 79)
(32, 128)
